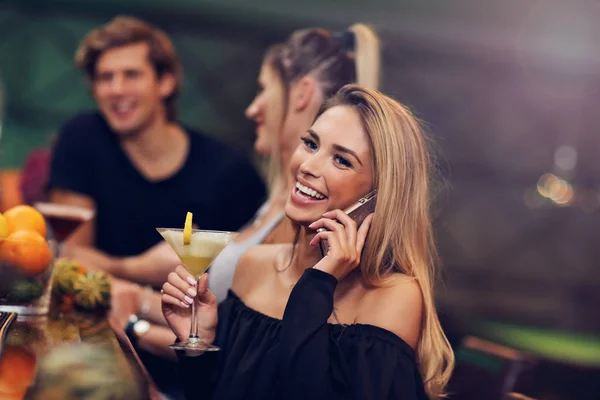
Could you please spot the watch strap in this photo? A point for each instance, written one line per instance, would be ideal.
(130, 332)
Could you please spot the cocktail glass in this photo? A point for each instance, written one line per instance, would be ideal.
(196, 256)
(64, 219)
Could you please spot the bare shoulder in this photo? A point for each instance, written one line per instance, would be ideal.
(396, 307)
(255, 264)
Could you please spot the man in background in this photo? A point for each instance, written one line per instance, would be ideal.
(135, 165)
(140, 169)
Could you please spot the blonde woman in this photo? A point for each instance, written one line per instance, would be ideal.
(296, 77)
(359, 323)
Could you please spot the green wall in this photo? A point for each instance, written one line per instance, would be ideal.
(220, 43)
(42, 88)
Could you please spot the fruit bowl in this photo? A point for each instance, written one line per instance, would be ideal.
(26, 261)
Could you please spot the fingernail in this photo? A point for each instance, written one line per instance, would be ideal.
(191, 281)
(192, 292)
(188, 300)
(186, 305)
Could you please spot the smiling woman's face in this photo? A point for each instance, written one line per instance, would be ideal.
(331, 168)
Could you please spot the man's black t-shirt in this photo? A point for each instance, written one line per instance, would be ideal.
(216, 183)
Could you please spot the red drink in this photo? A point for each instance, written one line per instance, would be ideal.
(64, 219)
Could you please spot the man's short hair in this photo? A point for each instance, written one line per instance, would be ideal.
(122, 31)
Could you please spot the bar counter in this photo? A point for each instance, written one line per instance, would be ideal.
(29, 339)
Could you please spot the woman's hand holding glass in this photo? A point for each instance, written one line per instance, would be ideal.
(178, 293)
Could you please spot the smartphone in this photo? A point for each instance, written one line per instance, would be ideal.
(358, 212)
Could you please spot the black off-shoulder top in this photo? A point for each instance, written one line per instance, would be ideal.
(301, 356)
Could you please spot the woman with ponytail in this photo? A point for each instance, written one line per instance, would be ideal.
(358, 322)
(296, 77)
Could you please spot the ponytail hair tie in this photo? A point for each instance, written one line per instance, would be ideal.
(346, 40)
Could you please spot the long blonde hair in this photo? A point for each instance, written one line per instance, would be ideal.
(401, 235)
(333, 59)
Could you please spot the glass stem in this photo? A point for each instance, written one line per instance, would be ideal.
(194, 327)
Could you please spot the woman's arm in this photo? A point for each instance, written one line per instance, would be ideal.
(304, 338)
(315, 365)
(197, 372)
(157, 341)
(130, 298)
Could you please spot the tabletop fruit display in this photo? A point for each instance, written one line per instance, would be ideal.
(78, 289)
(26, 259)
(17, 370)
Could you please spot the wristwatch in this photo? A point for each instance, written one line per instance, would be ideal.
(136, 328)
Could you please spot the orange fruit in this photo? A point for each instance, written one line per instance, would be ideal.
(25, 217)
(4, 229)
(28, 251)
(17, 370)
(12, 396)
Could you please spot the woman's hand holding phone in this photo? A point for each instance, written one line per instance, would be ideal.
(345, 241)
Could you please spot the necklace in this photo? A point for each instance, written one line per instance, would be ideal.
(279, 259)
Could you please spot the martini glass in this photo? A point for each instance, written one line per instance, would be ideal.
(197, 256)
(64, 219)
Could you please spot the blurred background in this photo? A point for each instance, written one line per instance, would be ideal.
(509, 90)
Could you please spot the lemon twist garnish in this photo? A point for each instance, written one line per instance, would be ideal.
(187, 229)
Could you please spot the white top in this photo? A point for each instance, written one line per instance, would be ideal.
(220, 273)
